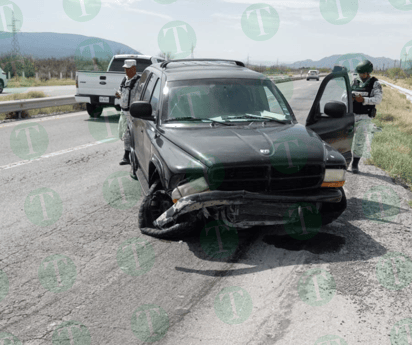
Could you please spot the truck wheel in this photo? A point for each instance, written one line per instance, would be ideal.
(331, 211)
(94, 110)
(1, 86)
(153, 205)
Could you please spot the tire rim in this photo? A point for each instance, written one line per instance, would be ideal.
(159, 203)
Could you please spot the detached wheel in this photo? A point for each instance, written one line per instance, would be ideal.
(1, 86)
(94, 110)
(153, 206)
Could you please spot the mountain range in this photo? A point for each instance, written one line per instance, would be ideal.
(50, 44)
(330, 61)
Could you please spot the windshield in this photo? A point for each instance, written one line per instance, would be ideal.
(224, 100)
(117, 65)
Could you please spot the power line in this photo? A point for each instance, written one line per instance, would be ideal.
(15, 43)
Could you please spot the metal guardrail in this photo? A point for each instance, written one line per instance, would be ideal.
(37, 103)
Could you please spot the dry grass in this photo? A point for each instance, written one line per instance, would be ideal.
(406, 83)
(392, 148)
(29, 82)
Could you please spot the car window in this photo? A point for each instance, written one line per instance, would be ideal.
(150, 86)
(117, 65)
(224, 100)
(154, 101)
(141, 84)
(335, 91)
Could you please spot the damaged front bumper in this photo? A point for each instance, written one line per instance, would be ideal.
(230, 204)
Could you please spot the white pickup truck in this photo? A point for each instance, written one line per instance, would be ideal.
(97, 89)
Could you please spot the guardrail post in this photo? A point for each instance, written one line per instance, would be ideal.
(19, 115)
(49, 75)
(23, 75)
(9, 75)
(61, 75)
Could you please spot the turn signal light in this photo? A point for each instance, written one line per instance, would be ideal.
(336, 184)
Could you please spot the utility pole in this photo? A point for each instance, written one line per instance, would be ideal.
(15, 43)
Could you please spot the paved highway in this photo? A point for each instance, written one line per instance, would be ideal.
(71, 251)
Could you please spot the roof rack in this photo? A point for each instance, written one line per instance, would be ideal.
(165, 63)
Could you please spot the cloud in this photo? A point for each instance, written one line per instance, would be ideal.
(127, 6)
(294, 4)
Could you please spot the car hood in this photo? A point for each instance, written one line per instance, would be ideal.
(244, 146)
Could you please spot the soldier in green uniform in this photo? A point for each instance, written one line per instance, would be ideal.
(366, 94)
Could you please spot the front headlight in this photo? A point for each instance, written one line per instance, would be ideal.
(334, 178)
(192, 187)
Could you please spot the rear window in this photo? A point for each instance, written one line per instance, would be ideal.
(141, 64)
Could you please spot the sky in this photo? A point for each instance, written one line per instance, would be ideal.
(271, 30)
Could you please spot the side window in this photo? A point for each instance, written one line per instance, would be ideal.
(150, 86)
(141, 82)
(154, 101)
(335, 90)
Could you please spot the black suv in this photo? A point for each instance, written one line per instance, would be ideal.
(214, 140)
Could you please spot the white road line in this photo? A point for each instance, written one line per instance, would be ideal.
(57, 153)
(39, 119)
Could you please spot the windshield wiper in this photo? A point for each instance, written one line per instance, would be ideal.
(188, 118)
(222, 123)
(267, 118)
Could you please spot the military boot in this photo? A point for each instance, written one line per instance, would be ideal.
(355, 167)
(126, 159)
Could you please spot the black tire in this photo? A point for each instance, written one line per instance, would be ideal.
(1, 86)
(146, 215)
(331, 211)
(307, 79)
(94, 110)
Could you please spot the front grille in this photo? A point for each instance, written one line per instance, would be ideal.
(262, 179)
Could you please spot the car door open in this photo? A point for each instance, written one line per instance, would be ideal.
(331, 115)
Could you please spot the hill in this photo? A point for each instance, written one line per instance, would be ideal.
(55, 45)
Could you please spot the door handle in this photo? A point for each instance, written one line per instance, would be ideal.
(350, 130)
(103, 83)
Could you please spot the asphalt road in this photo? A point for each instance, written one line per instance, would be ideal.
(71, 251)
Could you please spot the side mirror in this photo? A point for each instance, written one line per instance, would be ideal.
(141, 110)
(335, 109)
